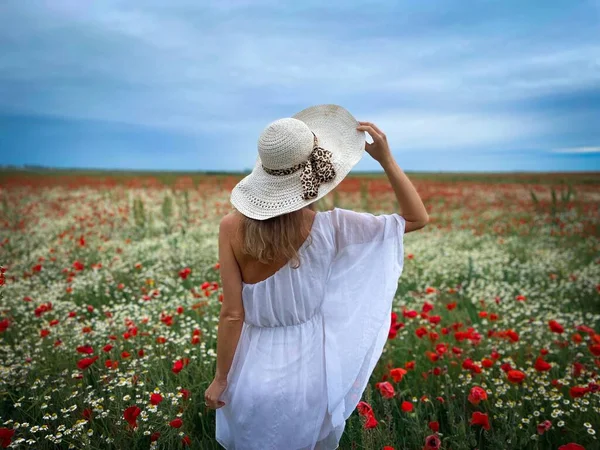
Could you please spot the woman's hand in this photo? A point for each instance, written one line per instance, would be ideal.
(411, 205)
(213, 393)
(379, 149)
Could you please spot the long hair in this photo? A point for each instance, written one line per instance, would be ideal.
(276, 238)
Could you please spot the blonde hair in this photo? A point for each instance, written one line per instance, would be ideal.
(275, 238)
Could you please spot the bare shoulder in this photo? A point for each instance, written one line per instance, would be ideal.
(229, 223)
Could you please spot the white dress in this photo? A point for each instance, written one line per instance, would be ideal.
(311, 336)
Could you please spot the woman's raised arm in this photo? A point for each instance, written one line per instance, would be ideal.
(411, 205)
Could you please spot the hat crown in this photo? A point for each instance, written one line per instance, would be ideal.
(285, 143)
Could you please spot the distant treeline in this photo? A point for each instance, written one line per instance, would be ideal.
(13, 173)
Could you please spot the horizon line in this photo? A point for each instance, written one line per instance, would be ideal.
(33, 167)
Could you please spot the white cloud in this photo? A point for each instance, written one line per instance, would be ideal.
(577, 150)
(410, 130)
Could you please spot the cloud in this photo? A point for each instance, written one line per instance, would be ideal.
(578, 150)
(407, 130)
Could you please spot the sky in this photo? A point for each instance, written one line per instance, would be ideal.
(456, 85)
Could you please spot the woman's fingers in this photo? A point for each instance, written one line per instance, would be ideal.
(215, 404)
(369, 129)
(375, 127)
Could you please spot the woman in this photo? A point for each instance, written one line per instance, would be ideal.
(307, 295)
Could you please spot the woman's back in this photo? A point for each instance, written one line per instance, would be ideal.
(312, 335)
(292, 295)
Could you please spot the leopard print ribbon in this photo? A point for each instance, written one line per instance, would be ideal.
(316, 170)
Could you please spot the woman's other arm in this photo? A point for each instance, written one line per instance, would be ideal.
(231, 317)
(411, 205)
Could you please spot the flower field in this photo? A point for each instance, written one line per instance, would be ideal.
(110, 295)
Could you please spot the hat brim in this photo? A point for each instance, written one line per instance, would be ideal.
(262, 196)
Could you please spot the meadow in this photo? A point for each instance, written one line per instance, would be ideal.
(110, 295)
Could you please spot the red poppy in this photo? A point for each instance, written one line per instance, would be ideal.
(427, 307)
(468, 364)
(512, 335)
(183, 274)
(451, 306)
(386, 389)
(578, 369)
(4, 323)
(595, 349)
(571, 446)
(364, 408)
(397, 374)
(433, 357)
(515, 376)
(371, 421)
(420, 332)
(409, 314)
(154, 436)
(179, 364)
(6, 435)
(541, 365)
(86, 362)
(482, 419)
(394, 326)
(88, 349)
(130, 415)
(434, 426)
(578, 391)
(487, 363)
(176, 423)
(435, 319)
(432, 442)
(87, 413)
(407, 406)
(544, 426)
(185, 393)
(155, 398)
(477, 394)
(186, 441)
(585, 329)
(556, 327)
(44, 332)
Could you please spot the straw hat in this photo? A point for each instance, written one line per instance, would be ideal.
(300, 159)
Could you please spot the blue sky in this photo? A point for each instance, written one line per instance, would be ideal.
(189, 85)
